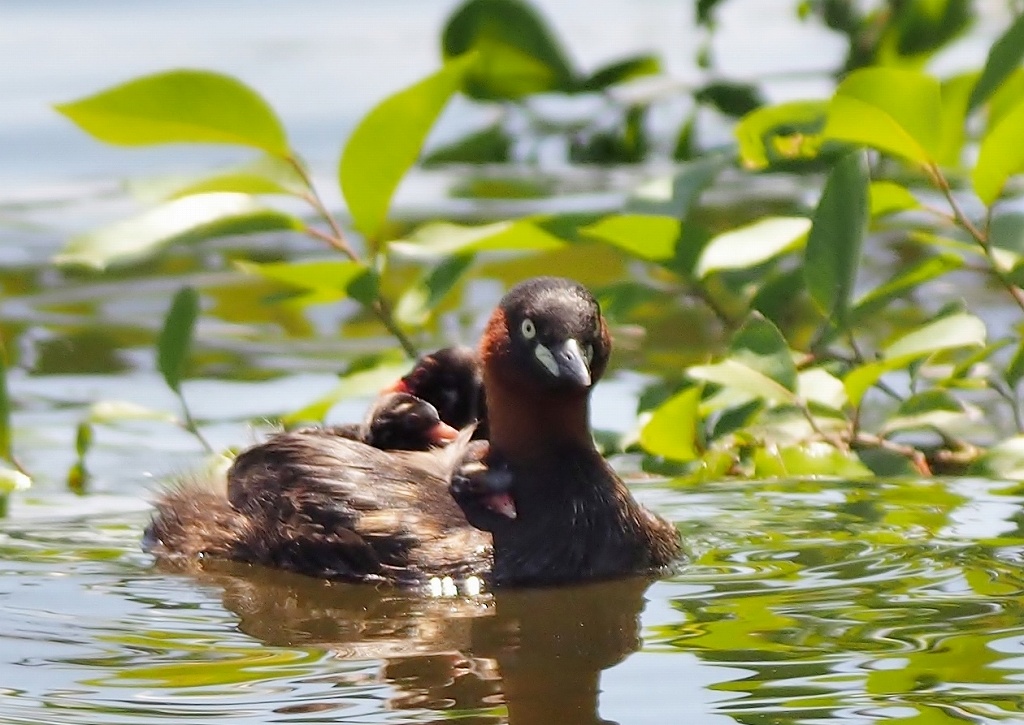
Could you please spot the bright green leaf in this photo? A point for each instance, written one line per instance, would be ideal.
(958, 330)
(832, 254)
(1003, 58)
(786, 132)
(647, 237)
(387, 142)
(1005, 460)
(815, 458)
(671, 431)
(441, 239)
(955, 92)
(743, 378)
(817, 385)
(180, 106)
(888, 197)
(905, 280)
(1001, 155)
(760, 345)
(752, 244)
(329, 279)
(265, 175)
(190, 219)
(890, 110)
(176, 337)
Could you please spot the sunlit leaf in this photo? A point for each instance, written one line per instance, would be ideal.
(752, 244)
(620, 72)
(832, 254)
(442, 238)
(113, 411)
(788, 131)
(1004, 57)
(760, 345)
(387, 142)
(12, 480)
(1005, 460)
(958, 330)
(191, 106)
(189, 219)
(328, 279)
(816, 385)
(955, 92)
(516, 53)
(888, 197)
(416, 304)
(176, 337)
(815, 458)
(1001, 155)
(648, 237)
(1015, 368)
(265, 175)
(888, 109)
(932, 409)
(735, 374)
(671, 431)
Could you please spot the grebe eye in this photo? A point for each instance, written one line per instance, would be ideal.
(528, 329)
(588, 354)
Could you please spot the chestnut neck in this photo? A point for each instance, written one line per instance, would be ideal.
(527, 423)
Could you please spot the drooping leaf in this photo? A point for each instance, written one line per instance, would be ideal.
(956, 330)
(189, 219)
(743, 378)
(760, 345)
(786, 132)
(620, 72)
(888, 109)
(672, 429)
(833, 251)
(416, 304)
(1004, 57)
(516, 53)
(647, 237)
(180, 106)
(888, 197)
(176, 337)
(265, 175)
(492, 145)
(442, 238)
(387, 142)
(1001, 156)
(752, 244)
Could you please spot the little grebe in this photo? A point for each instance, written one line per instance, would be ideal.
(396, 422)
(332, 507)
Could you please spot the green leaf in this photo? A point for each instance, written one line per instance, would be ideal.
(420, 300)
(955, 92)
(731, 99)
(760, 345)
(1005, 460)
(1001, 155)
(905, 280)
(888, 197)
(180, 106)
(671, 431)
(329, 280)
(620, 72)
(492, 145)
(190, 219)
(932, 409)
(648, 237)
(176, 337)
(1015, 368)
(11, 481)
(387, 142)
(441, 239)
(890, 110)
(786, 132)
(752, 244)
(953, 331)
(675, 195)
(818, 386)
(517, 54)
(112, 411)
(815, 458)
(743, 378)
(1003, 58)
(832, 254)
(265, 175)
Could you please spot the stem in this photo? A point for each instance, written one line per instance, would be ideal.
(189, 423)
(978, 235)
(916, 457)
(337, 240)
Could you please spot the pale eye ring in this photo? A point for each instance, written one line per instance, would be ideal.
(528, 329)
(588, 353)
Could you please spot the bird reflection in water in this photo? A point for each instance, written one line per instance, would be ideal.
(537, 652)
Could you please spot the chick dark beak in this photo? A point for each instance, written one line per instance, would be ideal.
(572, 366)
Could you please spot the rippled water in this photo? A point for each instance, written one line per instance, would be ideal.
(799, 602)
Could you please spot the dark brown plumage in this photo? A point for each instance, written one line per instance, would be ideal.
(324, 505)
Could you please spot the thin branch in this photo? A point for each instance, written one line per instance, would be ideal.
(189, 423)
